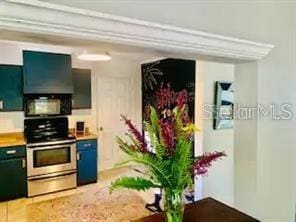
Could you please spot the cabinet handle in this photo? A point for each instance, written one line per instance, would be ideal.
(23, 163)
(10, 152)
(77, 156)
(1, 104)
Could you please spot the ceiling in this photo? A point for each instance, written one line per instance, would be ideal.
(137, 54)
(127, 51)
(131, 52)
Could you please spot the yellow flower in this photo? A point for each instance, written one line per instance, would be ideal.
(190, 128)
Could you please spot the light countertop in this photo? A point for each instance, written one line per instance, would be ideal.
(86, 136)
(12, 139)
(18, 139)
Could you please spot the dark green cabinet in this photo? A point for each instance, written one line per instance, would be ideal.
(13, 173)
(47, 73)
(11, 88)
(82, 89)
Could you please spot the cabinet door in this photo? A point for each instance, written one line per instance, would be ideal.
(47, 73)
(11, 88)
(13, 179)
(82, 88)
(87, 167)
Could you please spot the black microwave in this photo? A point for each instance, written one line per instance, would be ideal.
(47, 104)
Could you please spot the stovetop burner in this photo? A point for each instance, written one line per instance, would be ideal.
(47, 130)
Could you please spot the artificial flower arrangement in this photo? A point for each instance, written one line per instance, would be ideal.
(168, 157)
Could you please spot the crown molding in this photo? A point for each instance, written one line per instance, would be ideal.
(47, 18)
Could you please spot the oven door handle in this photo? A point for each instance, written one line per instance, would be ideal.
(51, 147)
(51, 144)
(50, 178)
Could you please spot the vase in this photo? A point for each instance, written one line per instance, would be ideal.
(173, 206)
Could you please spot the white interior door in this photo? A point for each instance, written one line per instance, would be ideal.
(114, 100)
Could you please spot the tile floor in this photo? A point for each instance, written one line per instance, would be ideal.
(15, 210)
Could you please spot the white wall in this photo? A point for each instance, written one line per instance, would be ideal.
(267, 21)
(219, 183)
(246, 140)
(11, 122)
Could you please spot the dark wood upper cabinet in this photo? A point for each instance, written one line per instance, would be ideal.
(11, 88)
(47, 73)
(82, 89)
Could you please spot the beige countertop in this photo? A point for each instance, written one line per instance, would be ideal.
(12, 139)
(86, 136)
(17, 139)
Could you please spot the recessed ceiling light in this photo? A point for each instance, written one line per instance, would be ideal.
(94, 57)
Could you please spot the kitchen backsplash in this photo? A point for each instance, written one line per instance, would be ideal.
(11, 122)
(86, 116)
(14, 121)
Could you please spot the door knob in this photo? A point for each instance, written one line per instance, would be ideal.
(101, 129)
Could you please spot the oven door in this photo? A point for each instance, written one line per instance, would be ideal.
(51, 159)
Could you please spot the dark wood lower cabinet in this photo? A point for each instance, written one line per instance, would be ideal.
(206, 210)
(13, 179)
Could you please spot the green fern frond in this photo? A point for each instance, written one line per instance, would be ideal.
(159, 168)
(135, 183)
(181, 163)
(124, 146)
(154, 120)
(157, 146)
(134, 142)
(179, 122)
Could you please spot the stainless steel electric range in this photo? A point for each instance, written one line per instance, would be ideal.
(51, 155)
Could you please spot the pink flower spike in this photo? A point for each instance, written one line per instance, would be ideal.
(204, 162)
(136, 133)
(182, 98)
(168, 133)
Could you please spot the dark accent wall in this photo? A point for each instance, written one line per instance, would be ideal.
(179, 73)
